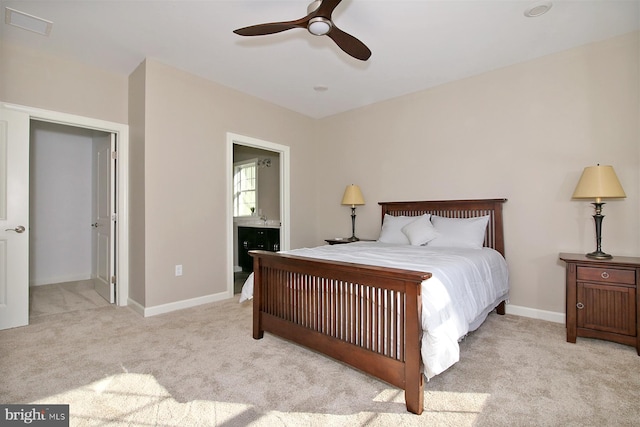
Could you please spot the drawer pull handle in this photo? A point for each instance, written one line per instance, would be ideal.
(580, 306)
(604, 275)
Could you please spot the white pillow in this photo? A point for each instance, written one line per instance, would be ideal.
(459, 232)
(420, 231)
(392, 229)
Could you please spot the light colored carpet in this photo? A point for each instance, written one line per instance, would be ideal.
(63, 298)
(201, 367)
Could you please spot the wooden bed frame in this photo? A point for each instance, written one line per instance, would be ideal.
(365, 316)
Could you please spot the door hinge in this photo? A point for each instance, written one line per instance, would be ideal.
(113, 279)
(114, 217)
(114, 155)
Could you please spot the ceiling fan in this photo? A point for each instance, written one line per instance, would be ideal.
(318, 22)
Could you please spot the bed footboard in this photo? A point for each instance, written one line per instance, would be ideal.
(365, 316)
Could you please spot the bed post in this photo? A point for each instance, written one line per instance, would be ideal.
(413, 377)
(258, 332)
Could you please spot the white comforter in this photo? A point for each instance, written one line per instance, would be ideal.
(465, 285)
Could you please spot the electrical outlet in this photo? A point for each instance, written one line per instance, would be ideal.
(179, 270)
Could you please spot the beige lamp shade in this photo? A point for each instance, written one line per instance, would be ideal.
(598, 182)
(352, 196)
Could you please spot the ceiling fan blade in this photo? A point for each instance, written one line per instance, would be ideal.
(349, 44)
(326, 8)
(270, 28)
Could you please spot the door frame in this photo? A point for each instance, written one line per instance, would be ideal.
(122, 174)
(285, 213)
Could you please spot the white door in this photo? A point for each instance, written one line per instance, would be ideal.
(14, 219)
(104, 224)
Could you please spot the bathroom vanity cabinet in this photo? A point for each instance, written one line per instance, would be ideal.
(252, 238)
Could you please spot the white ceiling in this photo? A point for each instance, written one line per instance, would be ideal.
(416, 44)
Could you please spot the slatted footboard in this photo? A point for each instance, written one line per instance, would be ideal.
(365, 316)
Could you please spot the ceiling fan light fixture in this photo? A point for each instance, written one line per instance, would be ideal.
(319, 26)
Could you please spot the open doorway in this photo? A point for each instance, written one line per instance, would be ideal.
(14, 211)
(72, 237)
(256, 206)
(261, 219)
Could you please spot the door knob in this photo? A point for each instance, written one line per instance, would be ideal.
(18, 229)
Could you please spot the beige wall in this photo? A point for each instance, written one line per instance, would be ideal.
(523, 132)
(186, 123)
(37, 79)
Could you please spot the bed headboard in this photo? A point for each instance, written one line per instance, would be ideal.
(494, 237)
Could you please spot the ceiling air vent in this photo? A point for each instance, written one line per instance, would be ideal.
(27, 22)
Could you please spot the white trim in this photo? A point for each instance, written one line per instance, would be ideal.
(135, 306)
(285, 213)
(180, 305)
(122, 131)
(535, 313)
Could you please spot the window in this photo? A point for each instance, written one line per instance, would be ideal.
(245, 188)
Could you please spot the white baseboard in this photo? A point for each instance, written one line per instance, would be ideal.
(516, 310)
(135, 306)
(179, 305)
(534, 313)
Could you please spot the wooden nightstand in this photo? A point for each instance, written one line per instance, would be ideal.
(602, 298)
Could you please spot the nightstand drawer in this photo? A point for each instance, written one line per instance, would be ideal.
(607, 275)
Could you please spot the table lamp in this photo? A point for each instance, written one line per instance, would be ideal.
(598, 182)
(353, 196)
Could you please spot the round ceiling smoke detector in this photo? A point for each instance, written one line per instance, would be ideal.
(538, 9)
